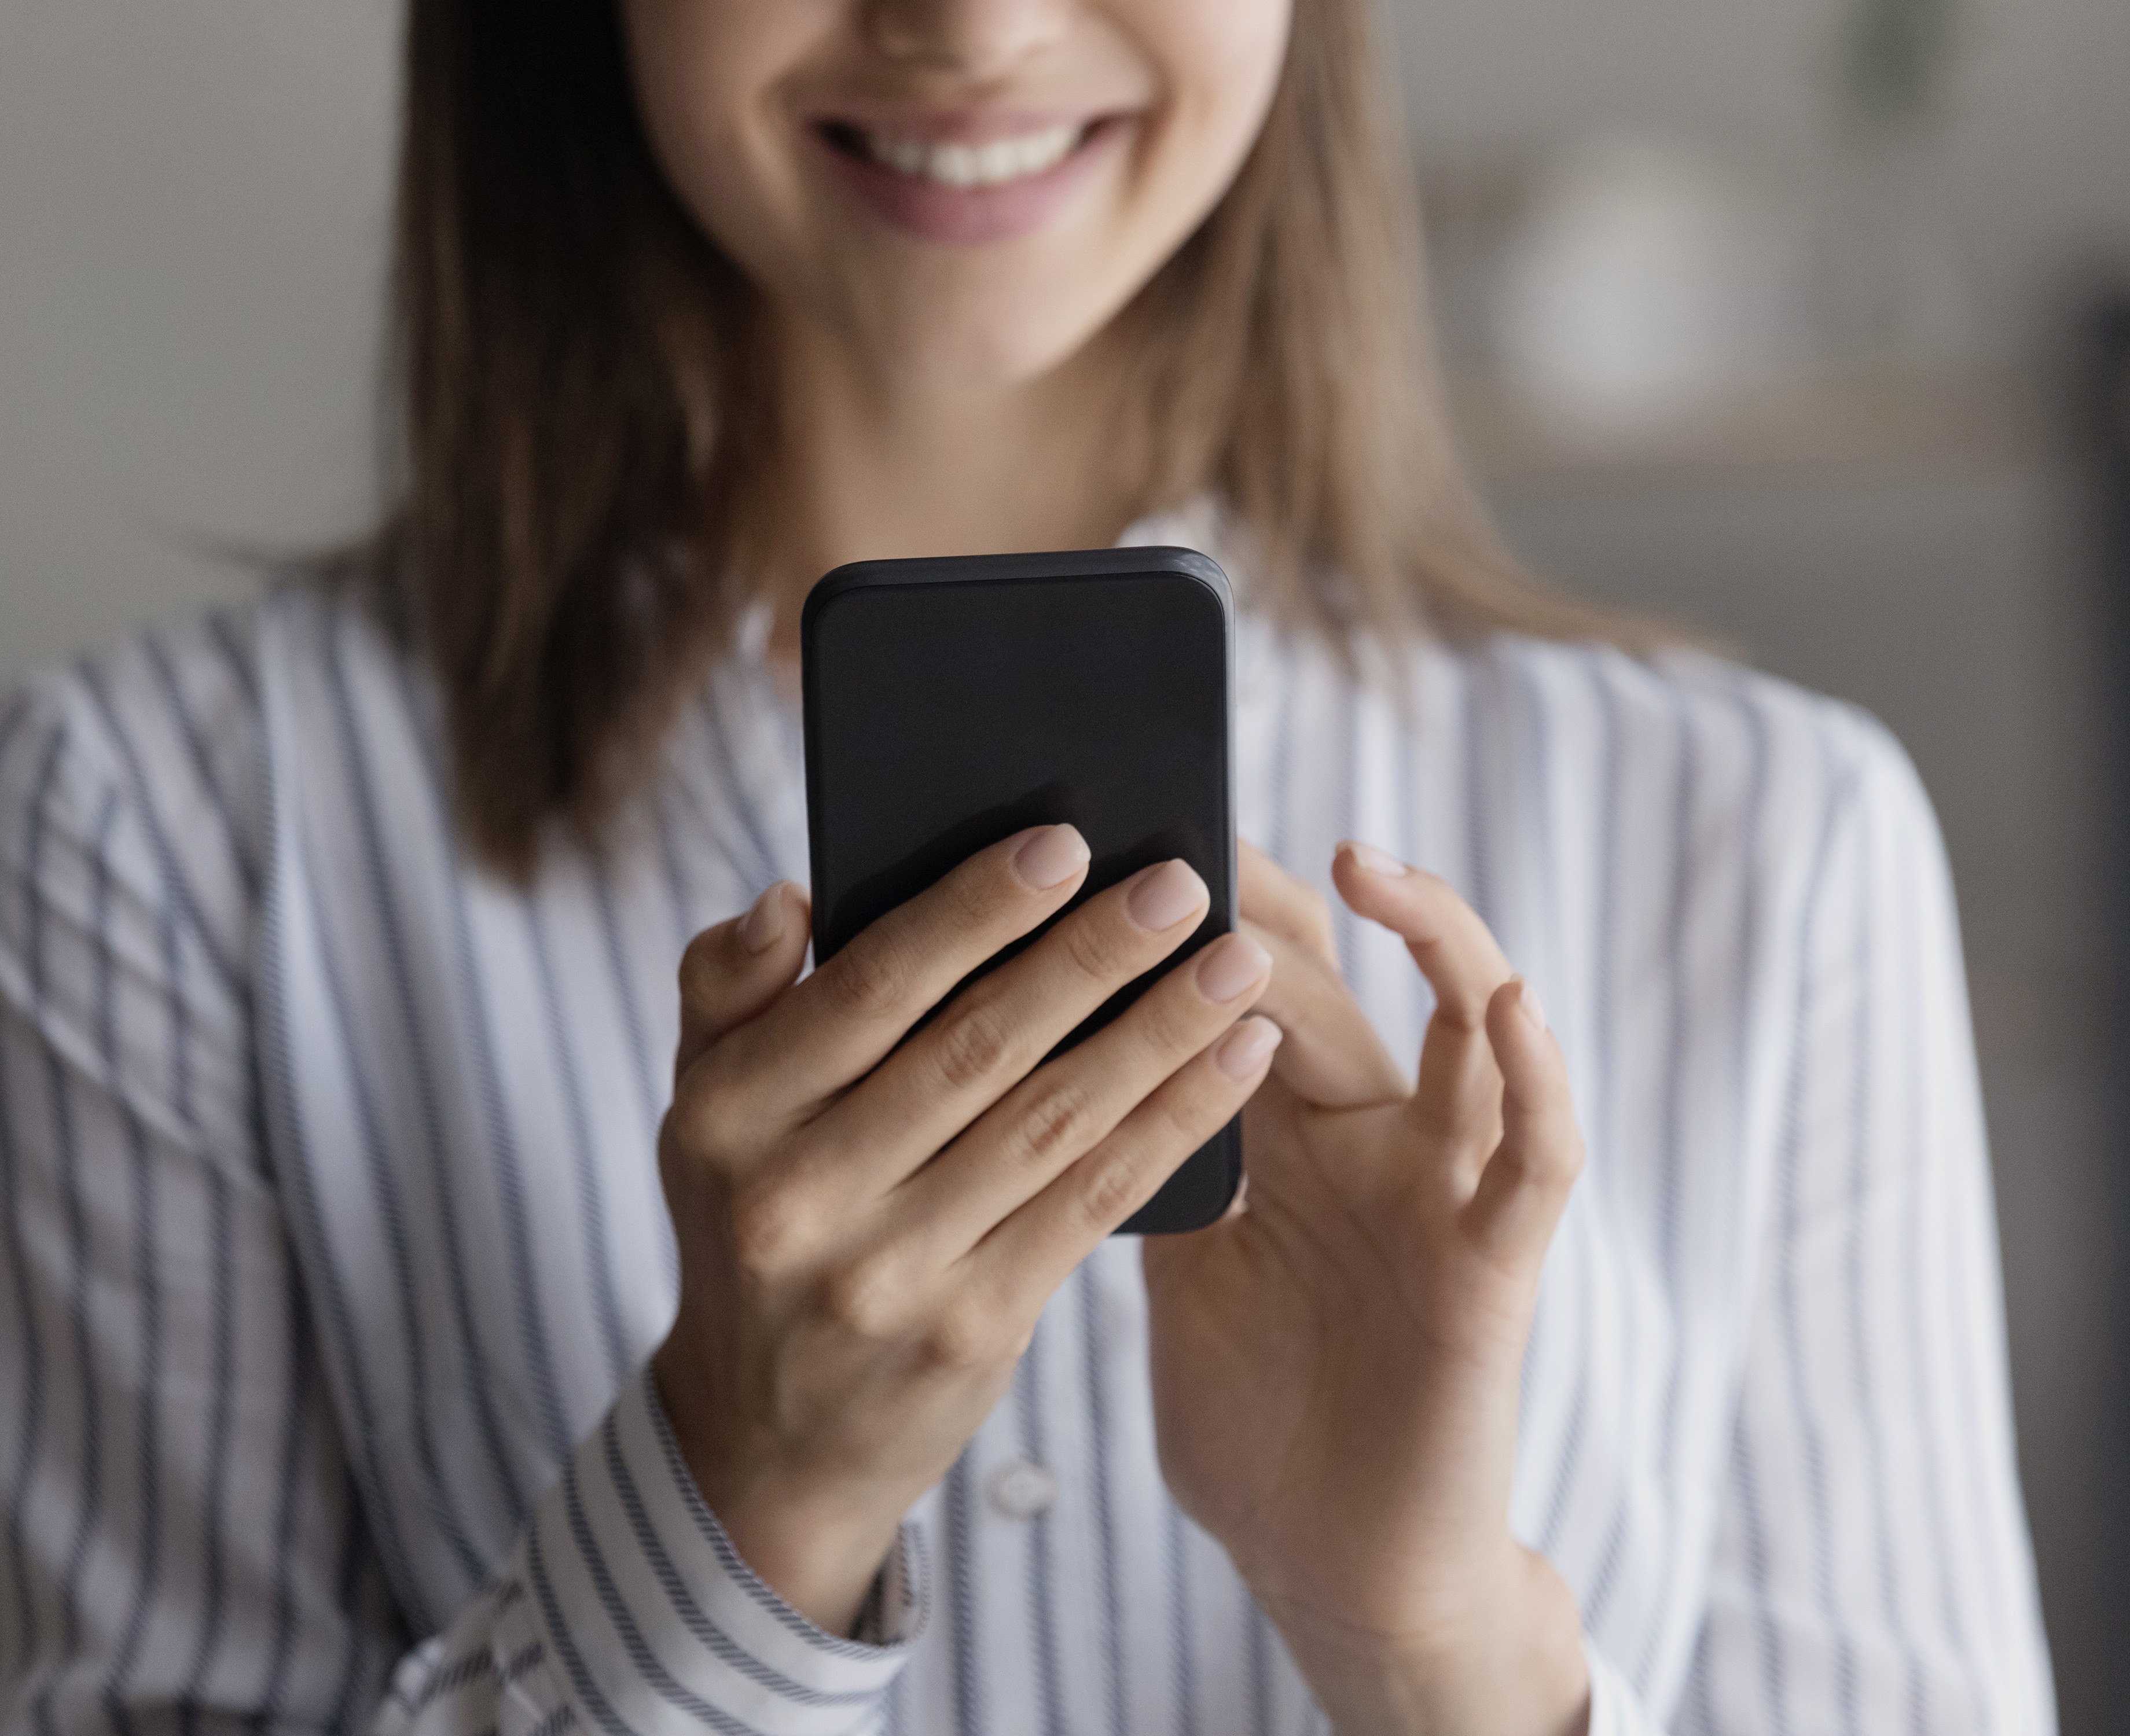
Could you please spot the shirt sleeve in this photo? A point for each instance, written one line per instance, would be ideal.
(1872, 1569)
(185, 1544)
(625, 1609)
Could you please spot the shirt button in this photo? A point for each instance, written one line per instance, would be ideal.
(1020, 1489)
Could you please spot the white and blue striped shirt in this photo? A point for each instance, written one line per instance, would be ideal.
(334, 1246)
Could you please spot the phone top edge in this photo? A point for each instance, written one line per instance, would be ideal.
(1105, 562)
(1108, 563)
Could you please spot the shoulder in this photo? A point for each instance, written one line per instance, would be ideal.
(168, 718)
(1724, 738)
(137, 770)
(1682, 786)
(1646, 700)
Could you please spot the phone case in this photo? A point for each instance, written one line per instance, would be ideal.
(1202, 1188)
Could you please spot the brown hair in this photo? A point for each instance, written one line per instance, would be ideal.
(585, 403)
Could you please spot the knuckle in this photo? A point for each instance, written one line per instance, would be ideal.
(1052, 1125)
(1186, 1116)
(870, 976)
(772, 1229)
(1465, 1014)
(1172, 1027)
(701, 975)
(1563, 1161)
(965, 1334)
(1440, 1125)
(1550, 1162)
(1194, 1107)
(679, 1167)
(682, 1130)
(974, 1041)
(1110, 1191)
(1091, 947)
(697, 1125)
(867, 1300)
(973, 895)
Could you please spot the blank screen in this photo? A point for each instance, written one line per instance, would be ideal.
(944, 715)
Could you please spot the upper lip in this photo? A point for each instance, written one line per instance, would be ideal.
(968, 126)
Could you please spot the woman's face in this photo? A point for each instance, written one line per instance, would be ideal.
(963, 191)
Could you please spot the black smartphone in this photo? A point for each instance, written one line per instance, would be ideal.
(950, 703)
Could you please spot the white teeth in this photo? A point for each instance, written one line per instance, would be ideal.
(976, 165)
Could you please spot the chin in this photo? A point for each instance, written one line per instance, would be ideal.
(994, 340)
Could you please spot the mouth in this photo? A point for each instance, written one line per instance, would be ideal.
(970, 177)
(964, 164)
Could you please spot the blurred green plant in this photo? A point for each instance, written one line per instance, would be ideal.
(1895, 54)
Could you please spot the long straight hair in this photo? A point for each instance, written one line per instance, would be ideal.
(585, 400)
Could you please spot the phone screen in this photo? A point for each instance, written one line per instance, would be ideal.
(949, 703)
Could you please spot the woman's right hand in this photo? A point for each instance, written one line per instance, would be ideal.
(868, 1233)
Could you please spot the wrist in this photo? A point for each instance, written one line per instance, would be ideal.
(821, 1560)
(819, 1549)
(1510, 1659)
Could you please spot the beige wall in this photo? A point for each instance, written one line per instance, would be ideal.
(2035, 140)
(192, 201)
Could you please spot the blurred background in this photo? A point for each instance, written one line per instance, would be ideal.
(1807, 324)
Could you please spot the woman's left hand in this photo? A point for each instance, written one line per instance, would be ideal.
(1336, 1363)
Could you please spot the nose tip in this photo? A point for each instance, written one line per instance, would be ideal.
(976, 39)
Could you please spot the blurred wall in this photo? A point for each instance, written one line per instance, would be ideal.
(192, 208)
(2034, 140)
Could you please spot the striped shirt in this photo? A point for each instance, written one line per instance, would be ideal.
(333, 1248)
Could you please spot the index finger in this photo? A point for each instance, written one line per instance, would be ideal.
(840, 1022)
(1458, 1095)
(1455, 951)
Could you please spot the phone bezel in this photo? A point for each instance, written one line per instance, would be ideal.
(1095, 565)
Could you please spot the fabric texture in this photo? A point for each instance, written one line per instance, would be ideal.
(333, 1250)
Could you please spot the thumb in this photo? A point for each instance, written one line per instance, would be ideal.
(732, 972)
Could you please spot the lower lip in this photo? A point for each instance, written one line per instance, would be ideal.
(932, 211)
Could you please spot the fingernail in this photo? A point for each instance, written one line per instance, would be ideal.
(1230, 965)
(1527, 999)
(764, 921)
(1165, 895)
(1053, 857)
(1244, 1050)
(1375, 861)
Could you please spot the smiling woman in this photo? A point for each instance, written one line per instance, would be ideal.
(652, 336)
(391, 1341)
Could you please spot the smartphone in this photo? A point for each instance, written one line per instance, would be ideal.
(950, 702)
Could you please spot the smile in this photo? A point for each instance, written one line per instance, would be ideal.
(956, 164)
(971, 178)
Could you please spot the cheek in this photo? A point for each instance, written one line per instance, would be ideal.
(1220, 61)
(1235, 47)
(706, 73)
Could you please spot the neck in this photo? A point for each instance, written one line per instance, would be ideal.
(869, 469)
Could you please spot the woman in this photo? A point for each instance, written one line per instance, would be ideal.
(361, 1370)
